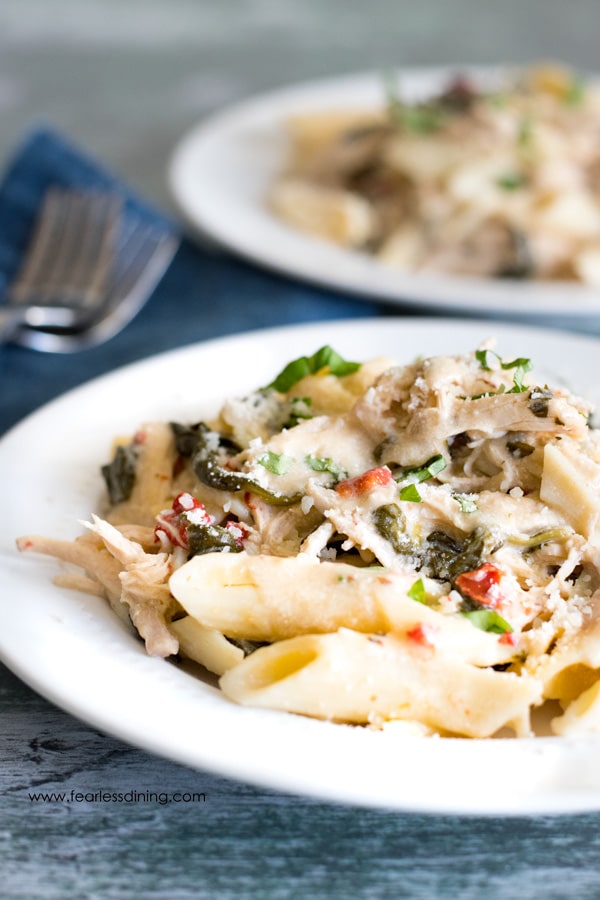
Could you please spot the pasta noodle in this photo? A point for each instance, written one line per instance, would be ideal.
(356, 678)
(367, 543)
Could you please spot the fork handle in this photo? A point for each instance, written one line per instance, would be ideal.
(12, 318)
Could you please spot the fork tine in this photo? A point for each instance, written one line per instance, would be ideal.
(134, 277)
(136, 245)
(93, 248)
(86, 274)
(39, 247)
(70, 252)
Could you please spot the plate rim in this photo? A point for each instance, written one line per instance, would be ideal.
(543, 752)
(324, 265)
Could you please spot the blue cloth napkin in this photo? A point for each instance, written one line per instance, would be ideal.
(203, 294)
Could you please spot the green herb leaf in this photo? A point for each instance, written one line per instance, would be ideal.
(326, 464)
(299, 410)
(497, 99)
(522, 362)
(430, 469)
(488, 620)
(522, 365)
(299, 368)
(525, 134)
(420, 118)
(575, 94)
(511, 181)
(410, 493)
(501, 390)
(277, 463)
(466, 503)
(417, 591)
(482, 358)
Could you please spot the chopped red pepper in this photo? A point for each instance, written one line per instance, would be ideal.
(172, 524)
(421, 634)
(185, 501)
(239, 531)
(509, 638)
(367, 481)
(482, 585)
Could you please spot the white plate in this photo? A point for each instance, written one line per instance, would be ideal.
(221, 171)
(71, 649)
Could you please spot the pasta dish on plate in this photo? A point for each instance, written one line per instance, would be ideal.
(498, 180)
(367, 543)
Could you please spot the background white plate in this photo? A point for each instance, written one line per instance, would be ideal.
(221, 171)
(74, 651)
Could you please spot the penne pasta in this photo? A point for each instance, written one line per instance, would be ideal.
(367, 544)
(262, 598)
(350, 677)
(206, 646)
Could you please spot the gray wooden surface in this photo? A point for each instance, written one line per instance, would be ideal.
(126, 79)
(240, 842)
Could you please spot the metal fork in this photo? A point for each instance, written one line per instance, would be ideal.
(86, 274)
(65, 270)
(143, 253)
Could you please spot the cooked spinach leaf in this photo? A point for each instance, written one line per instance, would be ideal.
(119, 474)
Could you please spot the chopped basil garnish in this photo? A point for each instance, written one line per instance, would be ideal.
(430, 469)
(487, 620)
(309, 365)
(525, 134)
(420, 118)
(575, 94)
(521, 365)
(410, 493)
(482, 358)
(299, 410)
(326, 464)
(277, 463)
(511, 181)
(417, 591)
(521, 362)
(466, 503)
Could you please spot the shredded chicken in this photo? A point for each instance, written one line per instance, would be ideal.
(145, 590)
